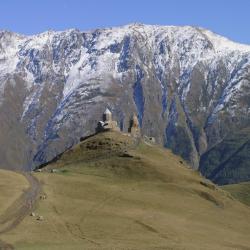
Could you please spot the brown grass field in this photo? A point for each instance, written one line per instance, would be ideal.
(110, 192)
(11, 187)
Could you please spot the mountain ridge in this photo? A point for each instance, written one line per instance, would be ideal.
(188, 86)
(52, 31)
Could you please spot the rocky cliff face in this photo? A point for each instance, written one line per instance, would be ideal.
(189, 87)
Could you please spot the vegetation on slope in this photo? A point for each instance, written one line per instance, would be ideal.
(240, 191)
(11, 186)
(113, 192)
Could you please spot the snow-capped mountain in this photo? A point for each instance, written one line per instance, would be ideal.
(189, 87)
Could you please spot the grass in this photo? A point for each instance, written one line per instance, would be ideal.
(111, 192)
(240, 191)
(11, 187)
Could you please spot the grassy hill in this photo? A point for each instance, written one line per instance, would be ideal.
(114, 192)
(11, 187)
(240, 191)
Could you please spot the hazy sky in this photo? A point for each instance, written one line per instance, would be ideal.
(230, 18)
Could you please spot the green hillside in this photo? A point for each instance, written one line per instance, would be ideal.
(240, 191)
(113, 192)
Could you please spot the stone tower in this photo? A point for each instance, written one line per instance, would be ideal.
(134, 127)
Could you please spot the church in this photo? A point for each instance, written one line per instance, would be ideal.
(108, 124)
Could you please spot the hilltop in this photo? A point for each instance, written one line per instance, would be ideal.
(115, 191)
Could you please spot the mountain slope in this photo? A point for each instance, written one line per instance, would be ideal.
(240, 191)
(110, 191)
(227, 161)
(188, 86)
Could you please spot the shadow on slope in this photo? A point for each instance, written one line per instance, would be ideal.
(229, 161)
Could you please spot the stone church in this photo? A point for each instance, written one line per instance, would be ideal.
(108, 124)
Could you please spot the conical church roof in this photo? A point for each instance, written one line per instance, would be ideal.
(107, 112)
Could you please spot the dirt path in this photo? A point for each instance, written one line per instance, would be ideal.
(5, 246)
(20, 208)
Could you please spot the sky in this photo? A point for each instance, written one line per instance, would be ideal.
(230, 18)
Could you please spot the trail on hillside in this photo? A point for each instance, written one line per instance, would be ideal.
(5, 246)
(20, 208)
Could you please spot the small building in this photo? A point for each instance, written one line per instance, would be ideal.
(107, 123)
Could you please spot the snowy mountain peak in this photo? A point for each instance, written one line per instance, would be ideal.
(81, 56)
(221, 43)
(180, 81)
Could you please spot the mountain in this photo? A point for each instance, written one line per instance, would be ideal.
(113, 192)
(188, 86)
